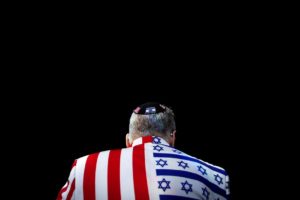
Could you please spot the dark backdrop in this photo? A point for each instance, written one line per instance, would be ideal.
(223, 117)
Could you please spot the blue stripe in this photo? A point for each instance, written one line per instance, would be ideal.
(173, 197)
(167, 155)
(169, 172)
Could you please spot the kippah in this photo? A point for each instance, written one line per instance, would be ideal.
(149, 108)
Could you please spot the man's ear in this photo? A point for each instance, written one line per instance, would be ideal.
(173, 138)
(127, 140)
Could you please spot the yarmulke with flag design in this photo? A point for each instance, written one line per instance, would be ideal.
(149, 108)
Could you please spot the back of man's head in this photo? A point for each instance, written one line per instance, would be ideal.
(152, 119)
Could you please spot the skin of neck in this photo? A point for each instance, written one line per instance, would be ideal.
(170, 138)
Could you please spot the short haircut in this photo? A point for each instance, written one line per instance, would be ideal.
(159, 124)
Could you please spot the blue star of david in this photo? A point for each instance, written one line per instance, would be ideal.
(158, 148)
(156, 140)
(202, 170)
(219, 179)
(176, 151)
(186, 187)
(182, 164)
(205, 193)
(161, 162)
(164, 184)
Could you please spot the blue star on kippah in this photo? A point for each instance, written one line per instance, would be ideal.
(161, 162)
(182, 164)
(156, 140)
(164, 184)
(186, 187)
(202, 170)
(205, 193)
(219, 179)
(158, 148)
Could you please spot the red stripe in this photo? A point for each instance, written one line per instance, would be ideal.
(71, 190)
(146, 139)
(113, 175)
(74, 164)
(59, 196)
(139, 173)
(89, 177)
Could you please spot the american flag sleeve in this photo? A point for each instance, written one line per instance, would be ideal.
(67, 191)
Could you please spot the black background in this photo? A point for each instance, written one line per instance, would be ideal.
(88, 78)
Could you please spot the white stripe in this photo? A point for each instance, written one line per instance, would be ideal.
(126, 174)
(137, 141)
(227, 185)
(80, 166)
(70, 180)
(151, 172)
(101, 176)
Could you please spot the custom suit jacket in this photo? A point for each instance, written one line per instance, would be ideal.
(150, 169)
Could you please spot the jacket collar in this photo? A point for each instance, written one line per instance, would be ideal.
(148, 139)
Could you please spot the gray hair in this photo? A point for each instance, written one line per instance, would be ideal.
(160, 124)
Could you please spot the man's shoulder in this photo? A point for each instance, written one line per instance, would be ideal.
(167, 151)
(97, 154)
(199, 164)
(209, 165)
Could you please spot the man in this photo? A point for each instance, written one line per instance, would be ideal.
(149, 168)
